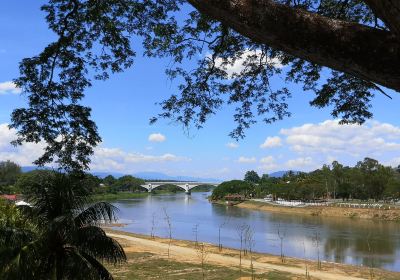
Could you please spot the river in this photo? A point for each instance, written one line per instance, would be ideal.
(343, 240)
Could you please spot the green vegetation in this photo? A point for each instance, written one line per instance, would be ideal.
(119, 195)
(150, 266)
(62, 239)
(252, 177)
(367, 180)
(12, 181)
(203, 188)
(9, 173)
(340, 51)
(232, 187)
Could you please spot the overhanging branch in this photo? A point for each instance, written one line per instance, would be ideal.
(388, 11)
(364, 52)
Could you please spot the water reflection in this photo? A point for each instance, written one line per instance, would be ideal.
(353, 241)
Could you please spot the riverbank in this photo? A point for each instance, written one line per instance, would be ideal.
(116, 196)
(324, 211)
(128, 195)
(184, 262)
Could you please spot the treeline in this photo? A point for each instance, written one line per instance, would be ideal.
(368, 179)
(14, 181)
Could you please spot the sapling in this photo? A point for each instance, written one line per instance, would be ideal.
(219, 233)
(153, 225)
(202, 254)
(371, 267)
(196, 232)
(281, 235)
(169, 224)
(249, 237)
(317, 241)
(240, 231)
(305, 261)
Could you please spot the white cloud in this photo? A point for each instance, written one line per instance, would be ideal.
(108, 159)
(232, 145)
(23, 155)
(268, 163)
(9, 87)
(268, 159)
(330, 138)
(394, 162)
(157, 137)
(239, 64)
(117, 159)
(300, 163)
(247, 160)
(271, 142)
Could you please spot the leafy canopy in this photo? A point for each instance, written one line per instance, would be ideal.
(232, 187)
(9, 172)
(96, 38)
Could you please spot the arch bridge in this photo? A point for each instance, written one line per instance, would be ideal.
(186, 186)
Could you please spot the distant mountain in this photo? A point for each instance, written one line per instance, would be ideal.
(31, 168)
(105, 174)
(279, 174)
(142, 175)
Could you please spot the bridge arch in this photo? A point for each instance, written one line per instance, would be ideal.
(211, 186)
(162, 185)
(186, 186)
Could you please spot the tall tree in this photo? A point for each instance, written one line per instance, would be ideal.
(128, 183)
(109, 180)
(252, 177)
(9, 172)
(355, 43)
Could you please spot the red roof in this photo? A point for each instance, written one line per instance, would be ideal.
(10, 196)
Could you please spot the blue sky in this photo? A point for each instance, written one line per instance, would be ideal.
(123, 105)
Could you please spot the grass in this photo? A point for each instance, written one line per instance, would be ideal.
(150, 266)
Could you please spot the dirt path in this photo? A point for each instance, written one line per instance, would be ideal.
(191, 255)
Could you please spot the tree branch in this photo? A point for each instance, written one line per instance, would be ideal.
(364, 52)
(388, 11)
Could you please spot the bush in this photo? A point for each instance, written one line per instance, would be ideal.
(232, 187)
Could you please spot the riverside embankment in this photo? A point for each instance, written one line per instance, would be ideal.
(180, 251)
(366, 242)
(384, 214)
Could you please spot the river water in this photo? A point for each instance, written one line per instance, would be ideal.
(343, 240)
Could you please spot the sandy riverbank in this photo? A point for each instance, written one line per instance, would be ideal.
(185, 251)
(385, 215)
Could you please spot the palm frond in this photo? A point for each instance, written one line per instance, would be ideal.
(15, 237)
(102, 272)
(96, 214)
(95, 242)
(83, 266)
(22, 262)
(65, 242)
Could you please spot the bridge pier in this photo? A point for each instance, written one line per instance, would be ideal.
(187, 189)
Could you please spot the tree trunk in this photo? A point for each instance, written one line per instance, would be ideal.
(364, 52)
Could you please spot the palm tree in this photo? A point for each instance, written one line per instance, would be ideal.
(66, 241)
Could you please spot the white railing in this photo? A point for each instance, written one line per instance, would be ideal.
(299, 203)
